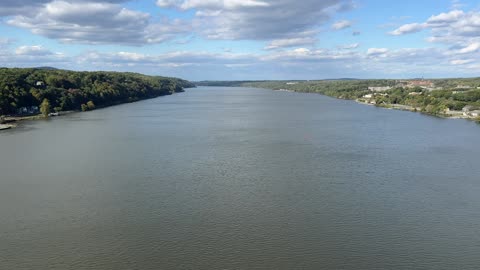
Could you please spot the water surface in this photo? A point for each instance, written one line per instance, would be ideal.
(237, 178)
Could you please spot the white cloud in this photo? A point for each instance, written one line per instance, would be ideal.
(176, 59)
(436, 21)
(470, 48)
(350, 46)
(222, 4)
(408, 29)
(5, 42)
(341, 25)
(211, 4)
(304, 55)
(454, 27)
(445, 18)
(30, 7)
(461, 61)
(377, 52)
(258, 19)
(290, 42)
(108, 22)
(300, 63)
(33, 51)
(131, 56)
(166, 3)
(97, 23)
(33, 56)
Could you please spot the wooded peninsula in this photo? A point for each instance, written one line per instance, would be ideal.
(47, 91)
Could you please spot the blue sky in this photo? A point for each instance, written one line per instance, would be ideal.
(245, 39)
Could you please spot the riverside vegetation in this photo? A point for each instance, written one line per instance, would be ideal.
(38, 90)
(446, 97)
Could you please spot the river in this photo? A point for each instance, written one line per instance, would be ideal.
(240, 178)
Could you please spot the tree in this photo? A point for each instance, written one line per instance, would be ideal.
(45, 107)
(90, 105)
(68, 90)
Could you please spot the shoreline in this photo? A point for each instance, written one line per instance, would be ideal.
(444, 98)
(6, 126)
(448, 114)
(10, 122)
(400, 107)
(30, 89)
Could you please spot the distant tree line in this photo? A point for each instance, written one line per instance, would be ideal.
(62, 90)
(434, 102)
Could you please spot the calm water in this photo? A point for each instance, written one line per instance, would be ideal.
(232, 178)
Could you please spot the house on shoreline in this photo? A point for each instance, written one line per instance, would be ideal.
(424, 84)
(379, 88)
(470, 111)
(28, 110)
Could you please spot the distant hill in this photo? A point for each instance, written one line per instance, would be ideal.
(46, 68)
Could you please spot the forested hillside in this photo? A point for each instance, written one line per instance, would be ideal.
(444, 97)
(69, 90)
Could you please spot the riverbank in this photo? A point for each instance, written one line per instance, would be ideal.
(5, 127)
(451, 114)
(9, 122)
(446, 113)
(64, 90)
(13, 119)
(445, 100)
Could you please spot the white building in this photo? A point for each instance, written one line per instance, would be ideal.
(379, 88)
